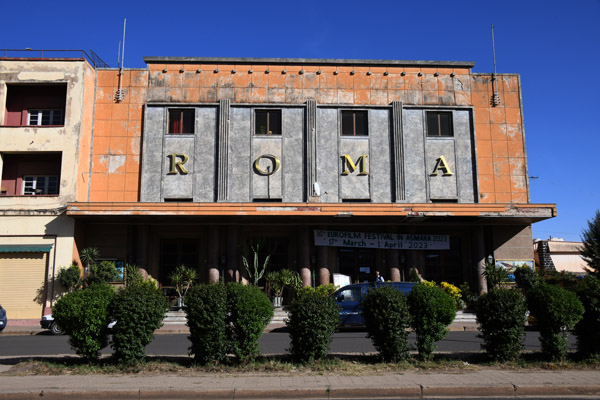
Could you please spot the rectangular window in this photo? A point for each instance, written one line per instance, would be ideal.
(45, 117)
(36, 185)
(181, 122)
(439, 124)
(354, 123)
(267, 122)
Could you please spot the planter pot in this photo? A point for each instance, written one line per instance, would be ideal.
(277, 301)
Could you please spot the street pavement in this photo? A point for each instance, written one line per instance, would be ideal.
(475, 381)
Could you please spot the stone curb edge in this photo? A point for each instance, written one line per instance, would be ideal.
(414, 391)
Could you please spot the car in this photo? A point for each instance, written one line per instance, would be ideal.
(350, 299)
(3, 319)
(48, 322)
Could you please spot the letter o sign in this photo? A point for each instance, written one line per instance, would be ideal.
(275, 164)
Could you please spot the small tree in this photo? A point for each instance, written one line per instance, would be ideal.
(591, 245)
(89, 256)
(183, 278)
(70, 278)
(494, 275)
(386, 315)
(103, 272)
(431, 310)
(587, 329)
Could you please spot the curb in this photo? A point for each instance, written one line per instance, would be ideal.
(414, 391)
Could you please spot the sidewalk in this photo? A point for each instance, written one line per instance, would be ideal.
(484, 383)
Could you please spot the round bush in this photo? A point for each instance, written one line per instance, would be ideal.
(386, 315)
(588, 327)
(312, 320)
(501, 317)
(206, 312)
(556, 310)
(83, 315)
(139, 310)
(431, 311)
(525, 278)
(249, 312)
(70, 277)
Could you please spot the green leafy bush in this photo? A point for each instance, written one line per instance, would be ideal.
(386, 315)
(494, 275)
(139, 310)
(104, 272)
(83, 315)
(70, 277)
(312, 320)
(525, 278)
(501, 317)
(206, 312)
(556, 311)
(588, 327)
(249, 311)
(431, 310)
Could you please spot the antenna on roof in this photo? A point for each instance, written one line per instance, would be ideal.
(119, 96)
(495, 97)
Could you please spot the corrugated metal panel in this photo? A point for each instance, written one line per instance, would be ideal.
(22, 275)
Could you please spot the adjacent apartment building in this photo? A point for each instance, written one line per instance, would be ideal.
(335, 166)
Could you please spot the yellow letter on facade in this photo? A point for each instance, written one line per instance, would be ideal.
(441, 165)
(177, 166)
(348, 166)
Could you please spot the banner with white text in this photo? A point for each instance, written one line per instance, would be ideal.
(390, 241)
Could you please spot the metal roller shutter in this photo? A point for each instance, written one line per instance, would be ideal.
(21, 277)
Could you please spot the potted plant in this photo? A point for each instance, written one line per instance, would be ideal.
(183, 278)
(277, 284)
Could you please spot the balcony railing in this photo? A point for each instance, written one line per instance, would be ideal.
(33, 54)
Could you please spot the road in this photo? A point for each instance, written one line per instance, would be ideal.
(347, 341)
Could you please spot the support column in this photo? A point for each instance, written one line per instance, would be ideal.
(479, 251)
(323, 265)
(213, 254)
(142, 246)
(304, 255)
(233, 257)
(393, 263)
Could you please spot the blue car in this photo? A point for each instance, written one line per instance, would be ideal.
(350, 298)
(2, 319)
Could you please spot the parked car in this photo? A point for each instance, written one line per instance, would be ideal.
(48, 322)
(350, 298)
(3, 319)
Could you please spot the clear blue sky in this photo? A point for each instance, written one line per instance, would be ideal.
(554, 46)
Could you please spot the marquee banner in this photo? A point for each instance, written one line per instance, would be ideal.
(390, 241)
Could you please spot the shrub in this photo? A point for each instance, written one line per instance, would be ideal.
(525, 278)
(494, 275)
(70, 277)
(556, 311)
(588, 327)
(386, 315)
(83, 315)
(501, 317)
(249, 311)
(431, 310)
(139, 310)
(312, 321)
(206, 312)
(104, 272)
(326, 290)
(455, 293)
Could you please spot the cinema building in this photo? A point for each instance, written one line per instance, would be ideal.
(337, 166)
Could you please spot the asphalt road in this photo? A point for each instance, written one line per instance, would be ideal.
(347, 341)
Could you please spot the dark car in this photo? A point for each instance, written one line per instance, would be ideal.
(350, 298)
(3, 319)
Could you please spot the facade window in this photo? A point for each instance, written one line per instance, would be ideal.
(354, 123)
(181, 122)
(38, 105)
(267, 122)
(35, 185)
(45, 117)
(439, 124)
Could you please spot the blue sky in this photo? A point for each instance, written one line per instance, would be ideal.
(554, 46)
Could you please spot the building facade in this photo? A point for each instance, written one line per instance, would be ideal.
(335, 166)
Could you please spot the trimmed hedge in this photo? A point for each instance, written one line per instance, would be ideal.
(83, 315)
(139, 310)
(556, 310)
(312, 320)
(431, 310)
(206, 311)
(501, 317)
(385, 311)
(249, 311)
(588, 343)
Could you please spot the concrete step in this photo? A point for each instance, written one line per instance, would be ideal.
(175, 318)
(465, 316)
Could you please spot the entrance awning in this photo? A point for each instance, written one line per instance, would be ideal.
(25, 248)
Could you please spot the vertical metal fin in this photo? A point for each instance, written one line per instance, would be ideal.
(223, 150)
